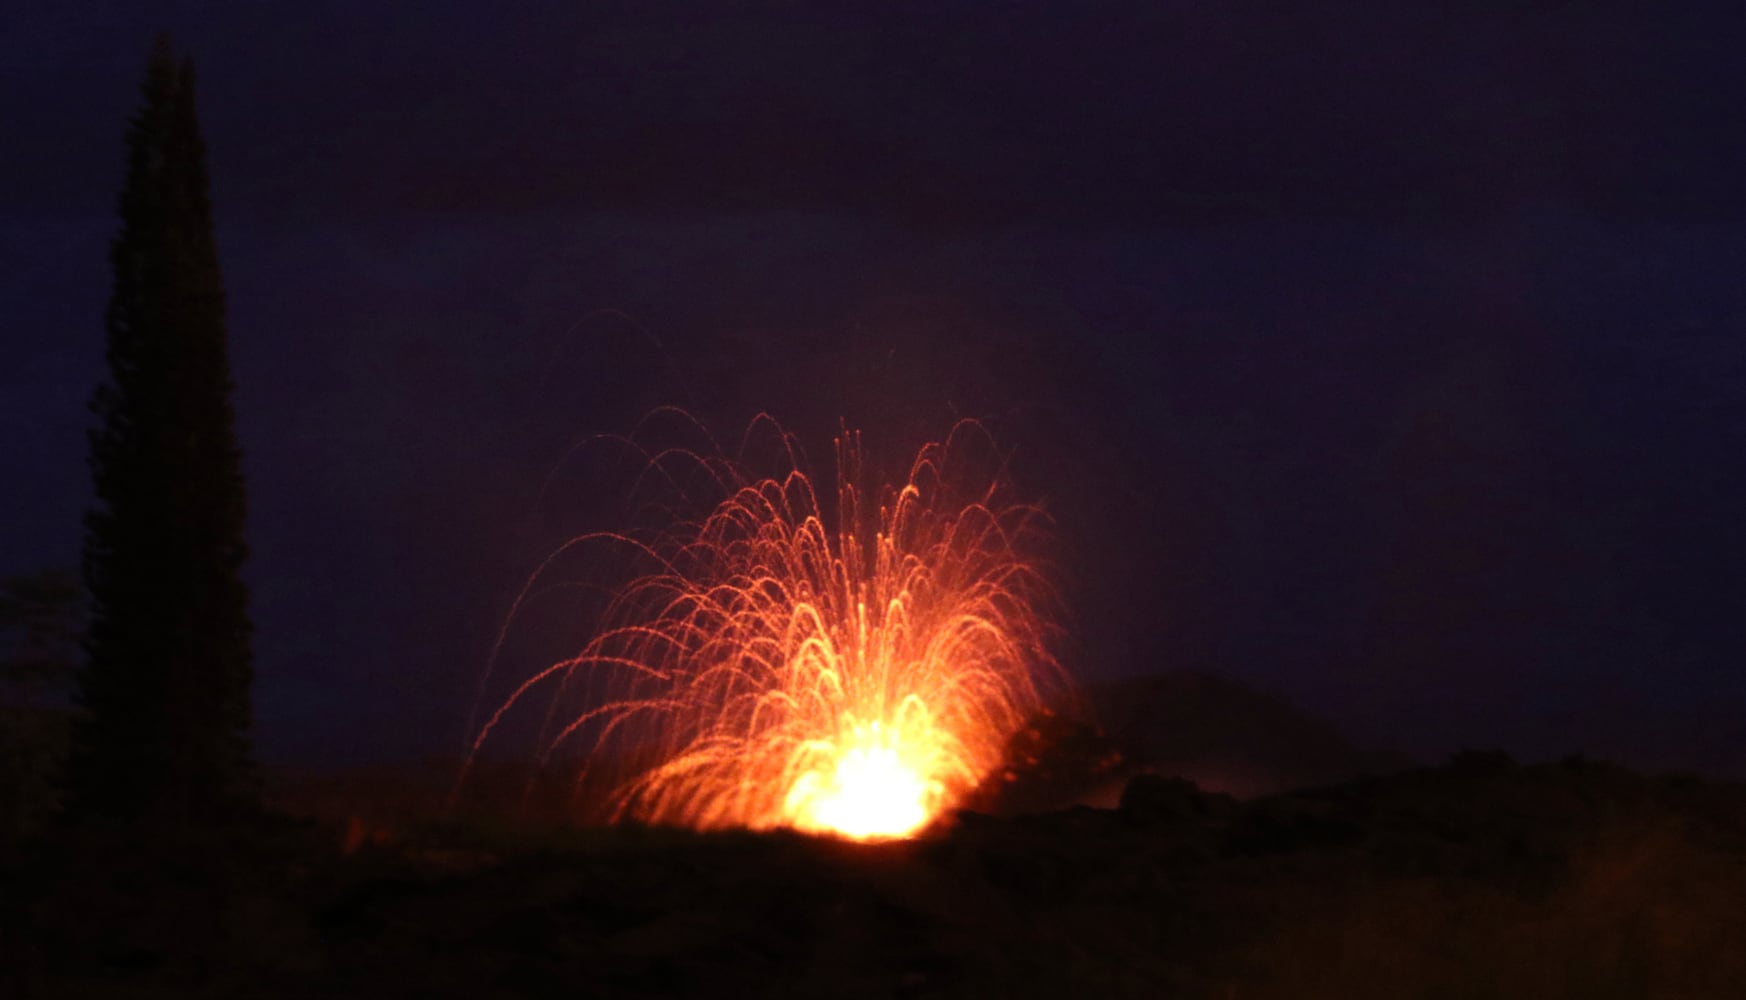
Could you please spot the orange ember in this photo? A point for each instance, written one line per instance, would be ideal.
(855, 676)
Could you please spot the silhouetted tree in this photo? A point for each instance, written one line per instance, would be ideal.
(39, 634)
(164, 737)
(40, 625)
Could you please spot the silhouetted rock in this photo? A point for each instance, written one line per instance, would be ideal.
(1291, 823)
(1481, 762)
(1227, 737)
(1050, 764)
(1156, 798)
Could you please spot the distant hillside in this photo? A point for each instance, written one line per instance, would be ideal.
(1226, 736)
(1475, 878)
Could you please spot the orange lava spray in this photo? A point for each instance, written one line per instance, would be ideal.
(854, 674)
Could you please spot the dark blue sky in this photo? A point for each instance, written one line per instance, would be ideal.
(1390, 356)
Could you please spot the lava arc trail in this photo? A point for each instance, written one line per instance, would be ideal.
(854, 668)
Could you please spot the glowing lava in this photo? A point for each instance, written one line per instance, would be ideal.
(869, 790)
(856, 674)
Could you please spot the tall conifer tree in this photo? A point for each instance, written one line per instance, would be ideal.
(165, 686)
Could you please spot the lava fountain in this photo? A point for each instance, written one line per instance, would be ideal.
(854, 671)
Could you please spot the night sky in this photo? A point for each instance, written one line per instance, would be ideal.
(1390, 356)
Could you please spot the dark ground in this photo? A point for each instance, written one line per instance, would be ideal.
(1478, 878)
